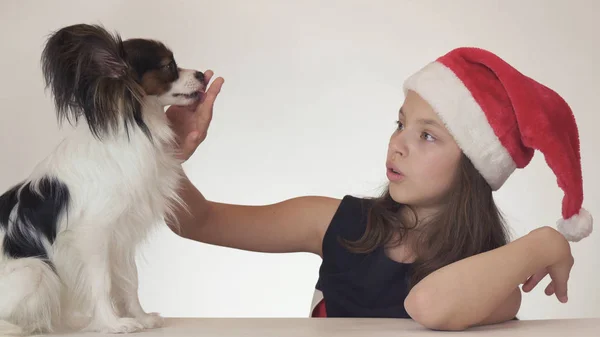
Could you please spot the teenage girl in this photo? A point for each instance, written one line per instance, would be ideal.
(433, 247)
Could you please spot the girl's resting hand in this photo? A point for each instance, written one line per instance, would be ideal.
(559, 269)
(190, 123)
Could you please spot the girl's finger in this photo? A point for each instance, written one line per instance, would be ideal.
(213, 91)
(560, 286)
(550, 289)
(208, 75)
(533, 281)
(204, 111)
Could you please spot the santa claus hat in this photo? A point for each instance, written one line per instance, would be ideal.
(498, 117)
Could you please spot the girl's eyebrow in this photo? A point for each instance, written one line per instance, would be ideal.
(424, 121)
(429, 122)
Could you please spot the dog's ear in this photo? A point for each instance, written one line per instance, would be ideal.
(86, 69)
(83, 50)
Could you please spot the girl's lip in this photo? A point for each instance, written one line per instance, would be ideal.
(393, 173)
(393, 176)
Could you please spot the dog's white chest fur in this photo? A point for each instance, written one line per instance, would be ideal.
(128, 180)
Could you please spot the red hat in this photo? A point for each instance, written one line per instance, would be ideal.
(499, 116)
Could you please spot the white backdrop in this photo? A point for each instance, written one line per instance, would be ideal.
(333, 69)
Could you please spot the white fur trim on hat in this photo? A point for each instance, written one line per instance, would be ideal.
(465, 120)
(577, 227)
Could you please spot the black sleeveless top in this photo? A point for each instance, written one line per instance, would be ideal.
(359, 285)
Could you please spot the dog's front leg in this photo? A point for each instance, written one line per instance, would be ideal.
(98, 272)
(125, 289)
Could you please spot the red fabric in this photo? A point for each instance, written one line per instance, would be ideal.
(319, 310)
(525, 116)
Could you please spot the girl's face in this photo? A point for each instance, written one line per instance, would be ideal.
(422, 158)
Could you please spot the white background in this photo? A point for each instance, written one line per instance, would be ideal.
(333, 69)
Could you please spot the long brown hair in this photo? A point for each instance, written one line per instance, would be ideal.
(469, 224)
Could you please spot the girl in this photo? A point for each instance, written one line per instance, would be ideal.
(433, 247)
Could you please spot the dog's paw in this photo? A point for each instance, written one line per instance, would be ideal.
(10, 329)
(74, 322)
(119, 326)
(151, 321)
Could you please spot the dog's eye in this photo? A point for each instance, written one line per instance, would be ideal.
(170, 66)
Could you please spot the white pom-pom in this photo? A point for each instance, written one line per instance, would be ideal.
(576, 227)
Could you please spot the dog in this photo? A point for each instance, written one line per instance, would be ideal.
(69, 231)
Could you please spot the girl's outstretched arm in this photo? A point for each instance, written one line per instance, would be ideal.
(294, 225)
(484, 289)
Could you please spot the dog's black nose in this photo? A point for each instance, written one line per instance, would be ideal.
(199, 76)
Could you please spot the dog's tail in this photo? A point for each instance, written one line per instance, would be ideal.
(30, 297)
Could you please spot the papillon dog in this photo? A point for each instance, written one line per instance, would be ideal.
(69, 231)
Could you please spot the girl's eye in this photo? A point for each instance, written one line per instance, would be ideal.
(400, 125)
(428, 137)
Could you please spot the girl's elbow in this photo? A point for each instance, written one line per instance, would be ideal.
(421, 306)
(427, 308)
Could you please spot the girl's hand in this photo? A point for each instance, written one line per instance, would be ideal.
(190, 123)
(559, 269)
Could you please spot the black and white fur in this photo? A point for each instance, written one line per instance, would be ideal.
(69, 231)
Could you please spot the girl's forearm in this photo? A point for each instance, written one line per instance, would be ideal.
(466, 292)
(189, 218)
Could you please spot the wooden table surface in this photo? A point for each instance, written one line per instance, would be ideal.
(352, 327)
